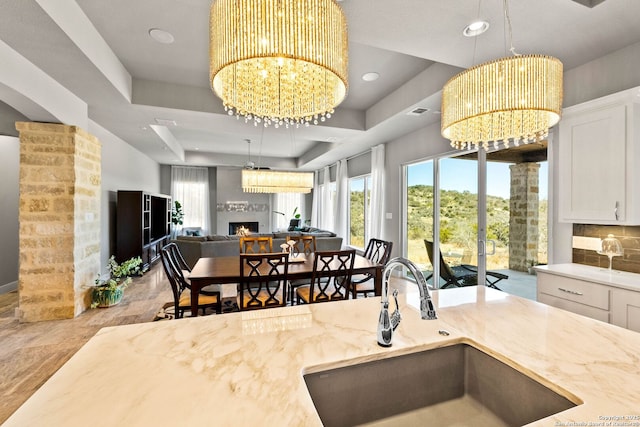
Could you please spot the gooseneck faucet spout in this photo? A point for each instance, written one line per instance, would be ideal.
(388, 323)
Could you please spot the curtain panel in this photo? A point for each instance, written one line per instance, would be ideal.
(190, 187)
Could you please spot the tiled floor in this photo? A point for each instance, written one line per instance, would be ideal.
(518, 283)
(31, 352)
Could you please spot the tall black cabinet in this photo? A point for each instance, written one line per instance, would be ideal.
(143, 225)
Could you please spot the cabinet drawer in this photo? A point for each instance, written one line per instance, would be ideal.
(587, 293)
(574, 307)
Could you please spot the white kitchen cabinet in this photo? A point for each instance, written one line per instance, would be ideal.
(607, 295)
(599, 161)
(625, 309)
(581, 297)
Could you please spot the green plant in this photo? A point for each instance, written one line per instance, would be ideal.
(110, 290)
(177, 216)
(295, 214)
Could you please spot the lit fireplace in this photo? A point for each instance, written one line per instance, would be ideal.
(247, 227)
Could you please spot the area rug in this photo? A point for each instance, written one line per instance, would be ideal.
(168, 312)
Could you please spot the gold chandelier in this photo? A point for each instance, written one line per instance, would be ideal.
(281, 62)
(513, 99)
(267, 181)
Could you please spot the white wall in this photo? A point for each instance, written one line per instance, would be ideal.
(123, 168)
(9, 195)
(229, 188)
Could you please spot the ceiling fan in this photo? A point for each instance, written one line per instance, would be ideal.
(249, 164)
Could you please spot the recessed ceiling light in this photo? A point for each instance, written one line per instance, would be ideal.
(161, 36)
(369, 77)
(475, 28)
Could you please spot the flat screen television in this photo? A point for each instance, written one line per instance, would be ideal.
(159, 224)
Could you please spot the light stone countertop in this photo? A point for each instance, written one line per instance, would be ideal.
(212, 370)
(604, 276)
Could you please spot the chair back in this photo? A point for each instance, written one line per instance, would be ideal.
(378, 251)
(303, 244)
(331, 276)
(174, 274)
(177, 257)
(445, 270)
(256, 245)
(178, 260)
(263, 280)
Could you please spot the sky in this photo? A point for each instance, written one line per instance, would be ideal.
(461, 175)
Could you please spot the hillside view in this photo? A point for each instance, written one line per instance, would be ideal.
(458, 226)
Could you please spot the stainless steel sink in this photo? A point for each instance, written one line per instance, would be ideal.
(455, 385)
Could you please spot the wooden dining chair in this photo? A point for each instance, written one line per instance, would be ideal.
(181, 289)
(185, 270)
(303, 244)
(378, 251)
(263, 280)
(178, 259)
(256, 245)
(330, 278)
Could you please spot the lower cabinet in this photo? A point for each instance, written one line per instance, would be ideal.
(608, 304)
(625, 309)
(581, 297)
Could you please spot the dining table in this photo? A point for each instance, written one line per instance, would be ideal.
(226, 269)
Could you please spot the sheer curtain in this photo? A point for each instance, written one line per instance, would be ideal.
(341, 207)
(316, 199)
(190, 187)
(376, 206)
(325, 211)
(286, 203)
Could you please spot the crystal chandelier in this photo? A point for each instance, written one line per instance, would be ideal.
(513, 99)
(280, 62)
(267, 181)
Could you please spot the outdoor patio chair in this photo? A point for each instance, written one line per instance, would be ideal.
(461, 275)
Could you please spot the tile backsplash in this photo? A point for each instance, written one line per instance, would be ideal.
(629, 237)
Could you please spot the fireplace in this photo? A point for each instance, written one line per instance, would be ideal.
(251, 226)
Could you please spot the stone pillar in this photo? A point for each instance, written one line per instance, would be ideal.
(59, 217)
(523, 222)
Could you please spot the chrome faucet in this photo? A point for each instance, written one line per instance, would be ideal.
(388, 323)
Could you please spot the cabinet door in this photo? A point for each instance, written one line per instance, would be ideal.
(625, 309)
(593, 166)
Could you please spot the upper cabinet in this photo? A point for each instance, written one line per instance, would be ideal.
(599, 161)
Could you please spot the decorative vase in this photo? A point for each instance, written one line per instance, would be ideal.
(107, 297)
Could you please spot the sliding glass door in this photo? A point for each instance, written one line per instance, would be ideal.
(418, 212)
(458, 210)
(490, 210)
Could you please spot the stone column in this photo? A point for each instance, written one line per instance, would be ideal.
(59, 217)
(523, 222)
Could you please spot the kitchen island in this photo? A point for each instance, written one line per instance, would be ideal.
(247, 368)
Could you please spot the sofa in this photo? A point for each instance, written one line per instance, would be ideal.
(195, 247)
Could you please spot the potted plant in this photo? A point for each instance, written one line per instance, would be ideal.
(109, 292)
(177, 217)
(295, 221)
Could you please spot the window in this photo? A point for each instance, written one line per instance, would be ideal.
(190, 187)
(418, 202)
(284, 205)
(359, 203)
